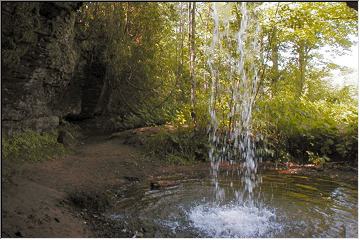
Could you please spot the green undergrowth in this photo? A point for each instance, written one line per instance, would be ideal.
(309, 132)
(31, 146)
(180, 146)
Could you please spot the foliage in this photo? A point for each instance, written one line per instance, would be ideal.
(130, 39)
(294, 34)
(31, 146)
(316, 159)
(178, 146)
(146, 47)
(326, 127)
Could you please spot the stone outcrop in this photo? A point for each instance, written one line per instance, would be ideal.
(50, 74)
(39, 64)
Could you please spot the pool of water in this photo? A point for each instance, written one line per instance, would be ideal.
(288, 206)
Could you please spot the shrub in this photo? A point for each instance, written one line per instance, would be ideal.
(298, 126)
(31, 146)
(179, 146)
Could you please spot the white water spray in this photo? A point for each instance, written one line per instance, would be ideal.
(230, 137)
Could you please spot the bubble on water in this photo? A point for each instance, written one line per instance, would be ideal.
(233, 221)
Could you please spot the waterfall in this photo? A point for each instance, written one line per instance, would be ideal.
(230, 136)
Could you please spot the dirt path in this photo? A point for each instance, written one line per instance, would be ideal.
(35, 198)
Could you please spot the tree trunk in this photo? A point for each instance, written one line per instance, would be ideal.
(192, 27)
(302, 52)
(182, 39)
(274, 56)
(274, 49)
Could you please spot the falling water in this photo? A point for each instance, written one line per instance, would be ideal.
(230, 137)
(234, 81)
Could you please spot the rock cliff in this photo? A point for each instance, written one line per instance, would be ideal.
(40, 62)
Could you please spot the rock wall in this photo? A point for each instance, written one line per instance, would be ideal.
(39, 65)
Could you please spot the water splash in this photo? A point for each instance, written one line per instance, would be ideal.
(230, 137)
(233, 221)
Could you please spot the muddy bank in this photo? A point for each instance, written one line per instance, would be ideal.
(65, 197)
